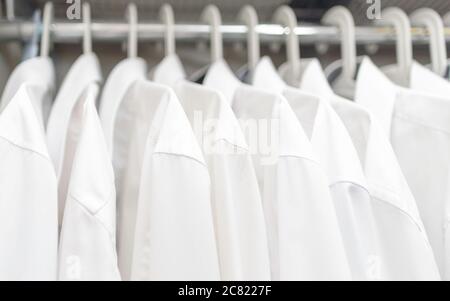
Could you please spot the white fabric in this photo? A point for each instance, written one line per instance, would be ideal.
(165, 225)
(84, 72)
(117, 84)
(28, 194)
(304, 238)
(87, 250)
(169, 71)
(424, 80)
(418, 125)
(405, 249)
(39, 73)
(238, 214)
(338, 157)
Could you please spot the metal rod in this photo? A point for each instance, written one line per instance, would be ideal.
(69, 32)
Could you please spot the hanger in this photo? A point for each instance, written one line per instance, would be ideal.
(211, 15)
(10, 10)
(249, 17)
(394, 16)
(46, 24)
(31, 48)
(132, 16)
(341, 17)
(87, 36)
(435, 26)
(286, 17)
(167, 17)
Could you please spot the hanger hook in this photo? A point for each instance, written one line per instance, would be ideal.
(132, 16)
(435, 26)
(167, 17)
(46, 24)
(342, 18)
(394, 16)
(249, 17)
(211, 15)
(286, 17)
(87, 37)
(10, 10)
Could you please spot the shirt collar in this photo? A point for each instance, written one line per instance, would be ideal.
(212, 106)
(221, 78)
(119, 81)
(169, 71)
(38, 70)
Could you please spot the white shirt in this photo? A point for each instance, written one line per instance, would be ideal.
(87, 248)
(304, 238)
(84, 72)
(236, 201)
(124, 74)
(165, 229)
(424, 80)
(419, 128)
(404, 246)
(169, 71)
(337, 155)
(39, 73)
(238, 215)
(28, 194)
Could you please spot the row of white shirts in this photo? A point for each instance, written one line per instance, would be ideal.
(349, 191)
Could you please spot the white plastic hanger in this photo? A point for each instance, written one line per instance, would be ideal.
(31, 48)
(341, 17)
(285, 16)
(249, 17)
(167, 17)
(211, 16)
(87, 36)
(46, 24)
(132, 16)
(10, 10)
(435, 27)
(394, 16)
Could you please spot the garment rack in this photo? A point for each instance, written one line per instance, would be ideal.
(71, 32)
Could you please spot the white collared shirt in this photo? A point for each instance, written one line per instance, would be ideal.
(87, 248)
(304, 238)
(337, 155)
(238, 214)
(39, 74)
(165, 225)
(28, 194)
(84, 72)
(406, 252)
(419, 128)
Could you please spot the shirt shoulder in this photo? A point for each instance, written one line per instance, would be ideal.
(385, 179)
(170, 132)
(259, 106)
(210, 114)
(20, 125)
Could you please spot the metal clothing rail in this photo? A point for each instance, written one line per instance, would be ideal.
(70, 32)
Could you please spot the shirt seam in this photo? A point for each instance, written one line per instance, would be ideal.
(420, 122)
(26, 148)
(409, 216)
(180, 155)
(95, 215)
